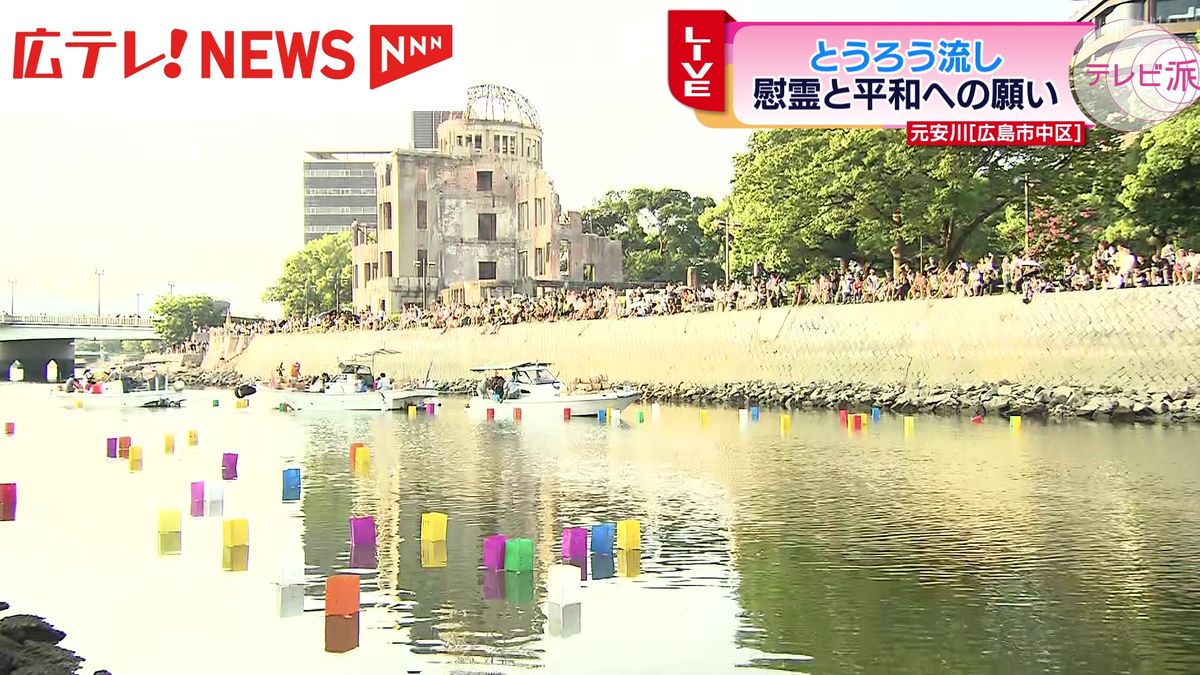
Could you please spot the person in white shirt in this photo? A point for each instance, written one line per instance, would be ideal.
(383, 383)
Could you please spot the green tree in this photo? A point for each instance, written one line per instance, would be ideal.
(659, 231)
(1163, 193)
(176, 317)
(804, 197)
(316, 278)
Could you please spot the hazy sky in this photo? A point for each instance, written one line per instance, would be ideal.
(199, 182)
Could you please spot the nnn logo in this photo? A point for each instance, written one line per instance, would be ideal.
(397, 51)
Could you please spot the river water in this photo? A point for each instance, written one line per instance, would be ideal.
(962, 548)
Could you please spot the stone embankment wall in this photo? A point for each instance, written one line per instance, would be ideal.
(1137, 341)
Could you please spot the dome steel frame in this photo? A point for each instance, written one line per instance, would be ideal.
(493, 102)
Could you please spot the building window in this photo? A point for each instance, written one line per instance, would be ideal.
(387, 215)
(355, 279)
(496, 144)
(387, 176)
(539, 263)
(479, 143)
(422, 214)
(459, 142)
(522, 215)
(564, 259)
(487, 227)
(387, 264)
(487, 271)
(589, 272)
(522, 264)
(422, 178)
(539, 211)
(483, 181)
(366, 273)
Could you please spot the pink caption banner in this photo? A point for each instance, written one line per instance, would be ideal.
(890, 74)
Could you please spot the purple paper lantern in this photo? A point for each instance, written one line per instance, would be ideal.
(493, 552)
(111, 446)
(229, 466)
(362, 531)
(198, 499)
(574, 542)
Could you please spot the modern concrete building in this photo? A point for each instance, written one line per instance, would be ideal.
(339, 189)
(425, 124)
(475, 218)
(1180, 17)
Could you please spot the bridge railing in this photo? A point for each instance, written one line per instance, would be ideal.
(75, 320)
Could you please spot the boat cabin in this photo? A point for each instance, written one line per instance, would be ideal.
(354, 378)
(528, 379)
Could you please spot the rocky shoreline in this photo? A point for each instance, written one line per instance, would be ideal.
(29, 646)
(1001, 399)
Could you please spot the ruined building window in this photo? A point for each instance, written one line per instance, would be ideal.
(487, 270)
(387, 175)
(387, 215)
(422, 178)
(487, 227)
(522, 264)
(496, 144)
(387, 264)
(478, 143)
(522, 215)
(564, 258)
(422, 258)
(355, 280)
(459, 141)
(483, 181)
(539, 211)
(422, 214)
(589, 272)
(539, 263)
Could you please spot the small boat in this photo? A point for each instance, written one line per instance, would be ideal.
(121, 394)
(534, 389)
(351, 389)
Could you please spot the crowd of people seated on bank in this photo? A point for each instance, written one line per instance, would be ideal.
(1108, 266)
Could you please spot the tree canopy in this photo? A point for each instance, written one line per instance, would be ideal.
(316, 278)
(659, 231)
(177, 316)
(1163, 192)
(802, 198)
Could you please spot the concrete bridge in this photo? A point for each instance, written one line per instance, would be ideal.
(37, 339)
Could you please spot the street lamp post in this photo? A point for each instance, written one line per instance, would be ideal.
(1027, 183)
(12, 294)
(99, 273)
(170, 288)
(138, 307)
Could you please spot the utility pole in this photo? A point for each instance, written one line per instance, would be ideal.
(99, 273)
(170, 288)
(138, 307)
(12, 294)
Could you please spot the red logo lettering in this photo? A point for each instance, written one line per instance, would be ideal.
(398, 51)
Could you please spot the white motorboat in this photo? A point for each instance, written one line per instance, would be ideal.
(351, 389)
(535, 390)
(119, 394)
